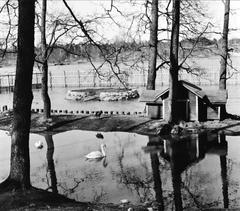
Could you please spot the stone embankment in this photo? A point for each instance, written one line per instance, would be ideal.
(87, 95)
(127, 123)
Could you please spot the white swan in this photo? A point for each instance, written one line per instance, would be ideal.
(97, 154)
(38, 144)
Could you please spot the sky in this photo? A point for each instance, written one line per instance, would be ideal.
(214, 9)
(111, 31)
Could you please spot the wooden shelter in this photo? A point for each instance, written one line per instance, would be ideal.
(194, 103)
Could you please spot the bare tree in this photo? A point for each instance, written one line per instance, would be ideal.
(110, 56)
(174, 67)
(20, 163)
(50, 163)
(52, 28)
(45, 96)
(225, 50)
(8, 10)
(153, 45)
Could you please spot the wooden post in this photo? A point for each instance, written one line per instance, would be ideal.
(65, 80)
(197, 109)
(8, 83)
(36, 80)
(79, 81)
(163, 109)
(94, 79)
(11, 83)
(0, 84)
(219, 113)
(197, 148)
(187, 110)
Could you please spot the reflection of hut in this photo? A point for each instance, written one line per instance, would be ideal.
(187, 150)
(194, 103)
(182, 153)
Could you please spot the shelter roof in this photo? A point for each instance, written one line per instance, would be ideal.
(210, 96)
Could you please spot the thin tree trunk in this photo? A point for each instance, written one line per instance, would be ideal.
(224, 174)
(22, 99)
(224, 54)
(174, 68)
(50, 161)
(45, 96)
(223, 163)
(157, 180)
(153, 46)
(176, 183)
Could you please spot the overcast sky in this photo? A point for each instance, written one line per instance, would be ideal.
(85, 8)
(214, 8)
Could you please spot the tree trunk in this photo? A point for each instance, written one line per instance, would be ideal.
(224, 173)
(22, 98)
(157, 180)
(224, 54)
(174, 68)
(50, 161)
(45, 96)
(177, 194)
(153, 46)
(223, 163)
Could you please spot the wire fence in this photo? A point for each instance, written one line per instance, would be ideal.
(77, 79)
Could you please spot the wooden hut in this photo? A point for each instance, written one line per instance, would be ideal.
(194, 103)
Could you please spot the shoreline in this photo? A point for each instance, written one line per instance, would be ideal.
(124, 123)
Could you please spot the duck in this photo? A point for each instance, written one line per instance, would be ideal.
(38, 144)
(97, 154)
(99, 135)
(98, 113)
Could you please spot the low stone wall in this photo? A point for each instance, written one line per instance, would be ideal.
(82, 112)
(88, 112)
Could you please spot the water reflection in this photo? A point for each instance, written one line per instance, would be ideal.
(223, 163)
(182, 153)
(157, 182)
(50, 164)
(171, 173)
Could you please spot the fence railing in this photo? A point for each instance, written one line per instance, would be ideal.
(76, 79)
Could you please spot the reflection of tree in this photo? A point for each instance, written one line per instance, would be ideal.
(176, 182)
(50, 162)
(224, 176)
(129, 176)
(98, 196)
(223, 163)
(195, 183)
(74, 186)
(157, 180)
(190, 185)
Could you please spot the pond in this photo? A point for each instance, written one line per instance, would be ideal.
(200, 171)
(58, 101)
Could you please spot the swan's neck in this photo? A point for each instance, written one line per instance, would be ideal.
(103, 151)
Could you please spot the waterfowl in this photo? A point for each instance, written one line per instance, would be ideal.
(99, 135)
(97, 154)
(38, 144)
(98, 113)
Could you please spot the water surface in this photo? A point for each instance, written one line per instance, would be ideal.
(193, 172)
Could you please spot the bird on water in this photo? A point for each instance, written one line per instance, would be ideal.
(38, 144)
(99, 135)
(97, 154)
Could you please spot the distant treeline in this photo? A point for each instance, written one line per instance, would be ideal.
(65, 53)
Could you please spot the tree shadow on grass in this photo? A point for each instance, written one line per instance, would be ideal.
(11, 198)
